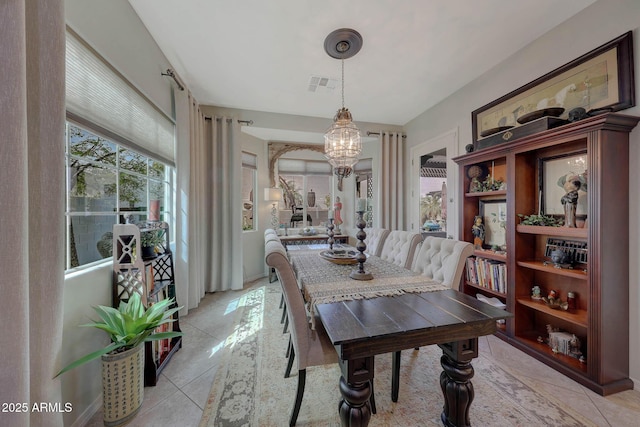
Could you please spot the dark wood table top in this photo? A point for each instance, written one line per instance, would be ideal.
(366, 327)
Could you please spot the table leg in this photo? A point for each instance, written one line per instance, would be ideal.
(355, 386)
(455, 381)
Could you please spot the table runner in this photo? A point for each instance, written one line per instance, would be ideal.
(325, 282)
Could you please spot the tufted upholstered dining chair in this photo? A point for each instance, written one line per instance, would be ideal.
(310, 347)
(399, 247)
(440, 259)
(375, 240)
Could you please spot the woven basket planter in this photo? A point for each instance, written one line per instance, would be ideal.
(122, 385)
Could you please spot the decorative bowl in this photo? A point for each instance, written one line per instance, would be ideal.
(340, 256)
(308, 232)
(555, 303)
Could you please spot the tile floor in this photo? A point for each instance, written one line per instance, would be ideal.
(181, 393)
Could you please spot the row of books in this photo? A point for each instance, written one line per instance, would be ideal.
(161, 347)
(487, 273)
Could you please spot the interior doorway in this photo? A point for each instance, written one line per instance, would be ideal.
(433, 184)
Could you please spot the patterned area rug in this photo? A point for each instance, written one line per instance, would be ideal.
(250, 388)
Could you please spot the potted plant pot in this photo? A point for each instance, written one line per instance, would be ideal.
(122, 376)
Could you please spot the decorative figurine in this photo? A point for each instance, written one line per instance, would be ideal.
(337, 206)
(571, 183)
(560, 259)
(535, 292)
(478, 232)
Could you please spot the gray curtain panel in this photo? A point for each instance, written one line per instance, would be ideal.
(32, 120)
(391, 188)
(215, 213)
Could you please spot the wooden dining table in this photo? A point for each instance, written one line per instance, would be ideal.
(367, 318)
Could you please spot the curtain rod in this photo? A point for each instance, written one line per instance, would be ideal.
(172, 74)
(369, 133)
(246, 122)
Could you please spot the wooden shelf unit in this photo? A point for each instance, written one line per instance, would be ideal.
(601, 318)
(153, 278)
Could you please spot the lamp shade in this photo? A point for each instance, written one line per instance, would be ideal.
(272, 194)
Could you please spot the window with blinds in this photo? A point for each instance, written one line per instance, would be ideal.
(249, 177)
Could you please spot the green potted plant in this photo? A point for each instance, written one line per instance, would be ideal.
(129, 327)
(541, 220)
(149, 240)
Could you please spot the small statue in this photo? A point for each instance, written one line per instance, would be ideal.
(574, 347)
(535, 292)
(571, 183)
(478, 232)
(475, 186)
(560, 259)
(337, 207)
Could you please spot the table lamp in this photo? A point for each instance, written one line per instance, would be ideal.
(273, 195)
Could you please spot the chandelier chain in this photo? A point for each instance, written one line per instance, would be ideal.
(342, 82)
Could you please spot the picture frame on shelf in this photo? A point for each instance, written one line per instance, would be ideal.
(555, 174)
(494, 215)
(601, 80)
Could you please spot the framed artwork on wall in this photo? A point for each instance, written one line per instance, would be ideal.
(599, 81)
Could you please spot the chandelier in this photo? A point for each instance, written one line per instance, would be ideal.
(343, 141)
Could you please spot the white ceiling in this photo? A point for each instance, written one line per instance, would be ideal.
(260, 54)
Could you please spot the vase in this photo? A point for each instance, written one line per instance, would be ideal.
(122, 385)
(311, 198)
(154, 210)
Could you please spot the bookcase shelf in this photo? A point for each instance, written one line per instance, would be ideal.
(487, 291)
(577, 317)
(490, 255)
(153, 278)
(599, 280)
(486, 193)
(540, 266)
(553, 231)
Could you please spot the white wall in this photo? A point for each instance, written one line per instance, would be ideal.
(82, 386)
(599, 23)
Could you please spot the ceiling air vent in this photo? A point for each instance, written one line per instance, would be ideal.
(322, 84)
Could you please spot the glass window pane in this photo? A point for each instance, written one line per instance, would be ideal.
(132, 161)
(318, 198)
(88, 146)
(91, 187)
(90, 238)
(156, 170)
(248, 205)
(432, 214)
(133, 192)
(292, 187)
(156, 200)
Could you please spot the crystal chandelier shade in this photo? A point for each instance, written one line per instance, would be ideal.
(343, 141)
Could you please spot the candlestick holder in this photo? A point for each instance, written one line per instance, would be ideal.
(330, 240)
(360, 274)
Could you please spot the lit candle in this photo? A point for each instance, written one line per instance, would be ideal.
(330, 213)
(362, 205)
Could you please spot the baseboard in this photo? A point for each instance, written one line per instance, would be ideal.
(255, 277)
(88, 413)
